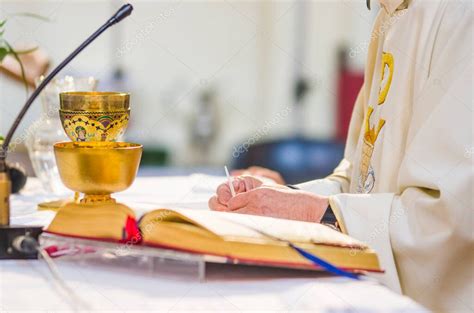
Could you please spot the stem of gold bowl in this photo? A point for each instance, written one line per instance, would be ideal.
(96, 199)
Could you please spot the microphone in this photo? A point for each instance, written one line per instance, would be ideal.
(122, 13)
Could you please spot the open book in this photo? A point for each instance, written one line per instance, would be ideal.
(240, 238)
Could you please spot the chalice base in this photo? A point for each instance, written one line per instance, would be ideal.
(91, 220)
(53, 205)
(57, 204)
(87, 200)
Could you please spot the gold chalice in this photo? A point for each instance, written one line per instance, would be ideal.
(91, 116)
(97, 169)
(94, 116)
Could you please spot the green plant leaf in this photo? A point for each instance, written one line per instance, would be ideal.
(3, 53)
(2, 27)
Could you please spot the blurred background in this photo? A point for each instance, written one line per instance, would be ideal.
(219, 82)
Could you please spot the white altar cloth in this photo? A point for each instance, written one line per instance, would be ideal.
(27, 285)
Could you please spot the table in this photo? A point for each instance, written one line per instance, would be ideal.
(27, 285)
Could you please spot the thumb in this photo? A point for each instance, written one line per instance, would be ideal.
(238, 172)
(239, 201)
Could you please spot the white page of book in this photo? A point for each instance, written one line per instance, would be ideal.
(234, 225)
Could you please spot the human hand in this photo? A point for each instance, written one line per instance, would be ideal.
(260, 171)
(278, 202)
(223, 193)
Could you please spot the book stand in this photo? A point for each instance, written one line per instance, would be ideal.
(141, 259)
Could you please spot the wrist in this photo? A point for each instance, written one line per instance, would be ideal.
(316, 207)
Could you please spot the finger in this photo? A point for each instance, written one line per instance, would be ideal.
(216, 206)
(249, 183)
(223, 194)
(212, 203)
(239, 185)
(223, 191)
(239, 201)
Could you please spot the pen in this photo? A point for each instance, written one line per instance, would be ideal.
(229, 181)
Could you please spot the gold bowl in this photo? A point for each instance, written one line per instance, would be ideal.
(97, 169)
(94, 115)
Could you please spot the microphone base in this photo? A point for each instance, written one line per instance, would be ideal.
(11, 242)
(14, 239)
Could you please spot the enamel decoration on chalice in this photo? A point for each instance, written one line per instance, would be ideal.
(94, 116)
(94, 163)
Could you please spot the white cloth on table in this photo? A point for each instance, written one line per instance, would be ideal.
(26, 285)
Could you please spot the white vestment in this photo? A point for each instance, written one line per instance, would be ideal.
(405, 185)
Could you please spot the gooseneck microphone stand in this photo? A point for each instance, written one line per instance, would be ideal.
(14, 239)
